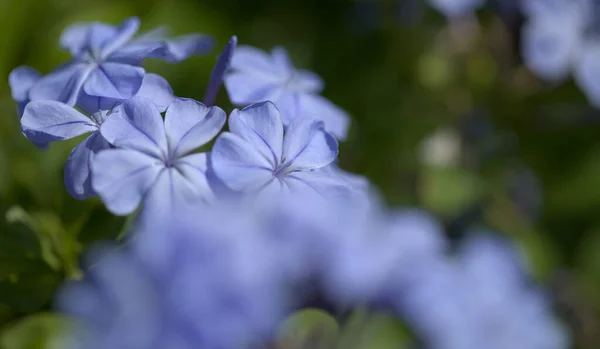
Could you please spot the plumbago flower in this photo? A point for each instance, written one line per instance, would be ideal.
(106, 61)
(155, 156)
(561, 37)
(257, 76)
(47, 121)
(259, 155)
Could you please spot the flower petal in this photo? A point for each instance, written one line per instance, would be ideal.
(137, 125)
(319, 182)
(314, 107)
(181, 48)
(194, 168)
(63, 85)
(307, 146)
(251, 60)
(260, 125)
(134, 54)
(114, 80)
(189, 124)
(52, 120)
(21, 79)
(123, 34)
(122, 177)
(216, 76)
(157, 89)
(244, 88)
(238, 164)
(74, 38)
(77, 169)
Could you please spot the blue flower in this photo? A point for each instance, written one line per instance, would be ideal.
(155, 156)
(257, 76)
(192, 282)
(257, 155)
(560, 38)
(106, 61)
(456, 8)
(21, 79)
(218, 72)
(46, 121)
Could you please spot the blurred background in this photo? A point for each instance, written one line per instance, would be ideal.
(444, 116)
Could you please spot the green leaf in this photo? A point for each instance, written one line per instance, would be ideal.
(309, 328)
(448, 190)
(39, 331)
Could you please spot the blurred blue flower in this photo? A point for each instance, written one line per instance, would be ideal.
(561, 37)
(258, 156)
(21, 79)
(257, 76)
(155, 156)
(106, 61)
(482, 298)
(193, 282)
(456, 8)
(46, 121)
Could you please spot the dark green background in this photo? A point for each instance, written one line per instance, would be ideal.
(527, 159)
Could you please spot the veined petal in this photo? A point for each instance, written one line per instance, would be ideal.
(114, 80)
(307, 146)
(134, 54)
(124, 33)
(216, 76)
(138, 125)
(157, 89)
(189, 124)
(238, 164)
(260, 125)
(122, 178)
(257, 62)
(319, 182)
(77, 169)
(63, 85)
(194, 168)
(52, 120)
(21, 79)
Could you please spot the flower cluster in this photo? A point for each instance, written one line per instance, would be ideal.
(232, 238)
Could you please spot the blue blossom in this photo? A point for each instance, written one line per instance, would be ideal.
(456, 8)
(257, 76)
(107, 61)
(482, 298)
(258, 155)
(21, 79)
(193, 282)
(560, 37)
(46, 121)
(155, 156)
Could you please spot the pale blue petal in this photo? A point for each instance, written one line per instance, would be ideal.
(138, 125)
(63, 85)
(260, 125)
(259, 63)
(549, 48)
(155, 35)
(281, 60)
(77, 169)
(122, 177)
(307, 146)
(239, 165)
(194, 168)
(316, 107)
(244, 88)
(114, 80)
(157, 89)
(154, 87)
(134, 54)
(216, 76)
(123, 34)
(75, 38)
(319, 182)
(21, 79)
(587, 72)
(189, 124)
(52, 120)
(183, 47)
